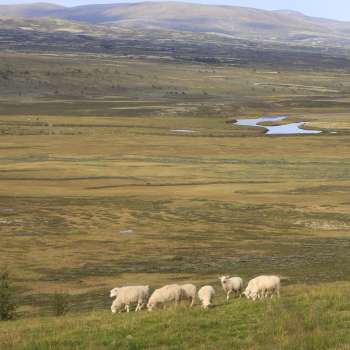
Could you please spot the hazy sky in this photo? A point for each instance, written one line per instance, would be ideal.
(337, 9)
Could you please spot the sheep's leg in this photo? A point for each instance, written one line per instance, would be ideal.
(140, 306)
(228, 295)
(127, 307)
(192, 302)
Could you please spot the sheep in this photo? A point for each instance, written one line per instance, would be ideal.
(233, 284)
(206, 295)
(188, 291)
(166, 294)
(262, 287)
(130, 295)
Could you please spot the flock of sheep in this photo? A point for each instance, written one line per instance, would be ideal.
(258, 288)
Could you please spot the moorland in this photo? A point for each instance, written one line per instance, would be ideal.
(101, 187)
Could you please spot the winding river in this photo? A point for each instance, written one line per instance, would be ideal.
(287, 129)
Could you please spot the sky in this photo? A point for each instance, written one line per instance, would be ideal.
(335, 9)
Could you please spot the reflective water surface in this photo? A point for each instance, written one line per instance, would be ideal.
(287, 129)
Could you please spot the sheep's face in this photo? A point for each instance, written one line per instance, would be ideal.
(113, 309)
(206, 305)
(254, 296)
(223, 279)
(114, 292)
(150, 307)
(246, 293)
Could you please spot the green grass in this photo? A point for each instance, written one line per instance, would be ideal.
(305, 317)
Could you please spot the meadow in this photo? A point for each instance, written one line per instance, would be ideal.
(100, 187)
(304, 318)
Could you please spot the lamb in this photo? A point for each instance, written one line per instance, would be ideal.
(188, 291)
(233, 284)
(206, 295)
(130, 295)
(263, 286)
(166, 294)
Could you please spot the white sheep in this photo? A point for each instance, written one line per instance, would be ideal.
(231, 284)
(164, 295)
(206, 295)
(188, 291)
(129, 295)
(262, 287)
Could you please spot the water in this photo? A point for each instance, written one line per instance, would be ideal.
(184, 131)
(287, 129)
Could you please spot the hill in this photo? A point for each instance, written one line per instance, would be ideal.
(306, 318)
(28, 10)
(239, 22)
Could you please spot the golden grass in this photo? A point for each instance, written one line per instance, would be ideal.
(74, 174)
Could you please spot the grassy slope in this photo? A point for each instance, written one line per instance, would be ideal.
(316, 317)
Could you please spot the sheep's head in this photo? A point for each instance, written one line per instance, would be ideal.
(206, 305)
(223, 279)
(150, 306)
(114, 308)
(114, 292)
(246, 293)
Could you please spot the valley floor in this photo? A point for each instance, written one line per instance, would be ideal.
(99, 188)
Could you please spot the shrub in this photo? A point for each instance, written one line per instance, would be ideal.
(60, 303)
(7, 297)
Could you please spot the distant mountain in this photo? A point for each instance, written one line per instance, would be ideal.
(31, 10)
(239, 22)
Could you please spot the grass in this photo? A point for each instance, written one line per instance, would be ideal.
(79, 168)
(305, 317)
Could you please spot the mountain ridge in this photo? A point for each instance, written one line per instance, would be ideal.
(240, 22)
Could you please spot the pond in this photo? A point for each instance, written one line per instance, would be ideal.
(287, 129)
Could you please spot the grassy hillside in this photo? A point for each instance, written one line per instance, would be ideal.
(304, 318)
